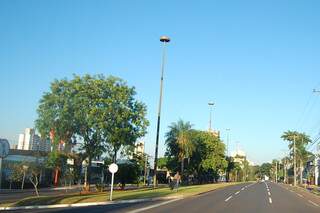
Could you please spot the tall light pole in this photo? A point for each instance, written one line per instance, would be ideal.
(210, 119)
(316, 166)
(164, 40)
(294, 162)
(228, 138)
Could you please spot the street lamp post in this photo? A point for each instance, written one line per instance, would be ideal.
(294, 162)
(316, 168)
(164, 40)
(210, 119)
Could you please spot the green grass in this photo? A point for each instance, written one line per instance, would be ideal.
(117, 195)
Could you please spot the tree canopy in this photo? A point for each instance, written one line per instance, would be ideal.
(99, 113)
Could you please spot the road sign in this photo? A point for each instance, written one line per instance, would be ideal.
(113, 168)
(4, 148)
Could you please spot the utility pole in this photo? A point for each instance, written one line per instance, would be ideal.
(284, 171)
(145, 169)
(316, 166)
(164, 40)
(294, 162)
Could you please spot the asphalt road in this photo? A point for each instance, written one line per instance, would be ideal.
(243, 198)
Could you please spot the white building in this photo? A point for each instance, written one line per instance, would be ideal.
(139, 148)
(31, 141)
(240, 156)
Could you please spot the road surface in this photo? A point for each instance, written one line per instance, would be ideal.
(244, 198)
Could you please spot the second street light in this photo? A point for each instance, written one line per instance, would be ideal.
(210, 119)
(164, 40)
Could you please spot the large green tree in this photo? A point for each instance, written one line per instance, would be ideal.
(265, 169)
(205, 152)
(101, 112)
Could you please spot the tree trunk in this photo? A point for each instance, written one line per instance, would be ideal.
(24, 176)
(301, 171)
(56, 176)
(36, 188)
(182, 166)
(89, 173)
(115, 156)
(35, 183)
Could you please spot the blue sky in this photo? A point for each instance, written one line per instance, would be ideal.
(257, 60)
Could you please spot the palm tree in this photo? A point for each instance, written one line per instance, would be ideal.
(186, 147)
(178, 140)
(301, 140)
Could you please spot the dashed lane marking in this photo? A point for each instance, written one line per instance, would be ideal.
(228, 199)
(313, 203)
(153, 206)
(269, 193)
(270, 200)
(300, 195)
(237, 192)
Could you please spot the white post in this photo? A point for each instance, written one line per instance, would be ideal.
(113, 168)
(112, 178)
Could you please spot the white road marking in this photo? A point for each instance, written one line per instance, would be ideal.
(237, 192)
(269, 193)
(242, 189)
(153, 206)
(228, 199)
(270, 200)
(300, 195)
(313, 203)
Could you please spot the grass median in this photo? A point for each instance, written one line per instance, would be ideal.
(117, 195)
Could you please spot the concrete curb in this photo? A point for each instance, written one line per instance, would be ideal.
(89, 204)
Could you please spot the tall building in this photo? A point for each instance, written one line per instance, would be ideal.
(29, 140)
(26, 140)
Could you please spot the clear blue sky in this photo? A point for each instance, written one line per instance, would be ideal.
(257, 60)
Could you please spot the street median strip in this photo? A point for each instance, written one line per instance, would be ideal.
(121, 197)
(91, 203)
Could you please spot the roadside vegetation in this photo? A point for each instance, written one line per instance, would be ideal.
(90, 119)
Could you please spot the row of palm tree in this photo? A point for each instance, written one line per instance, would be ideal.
(298, 141)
